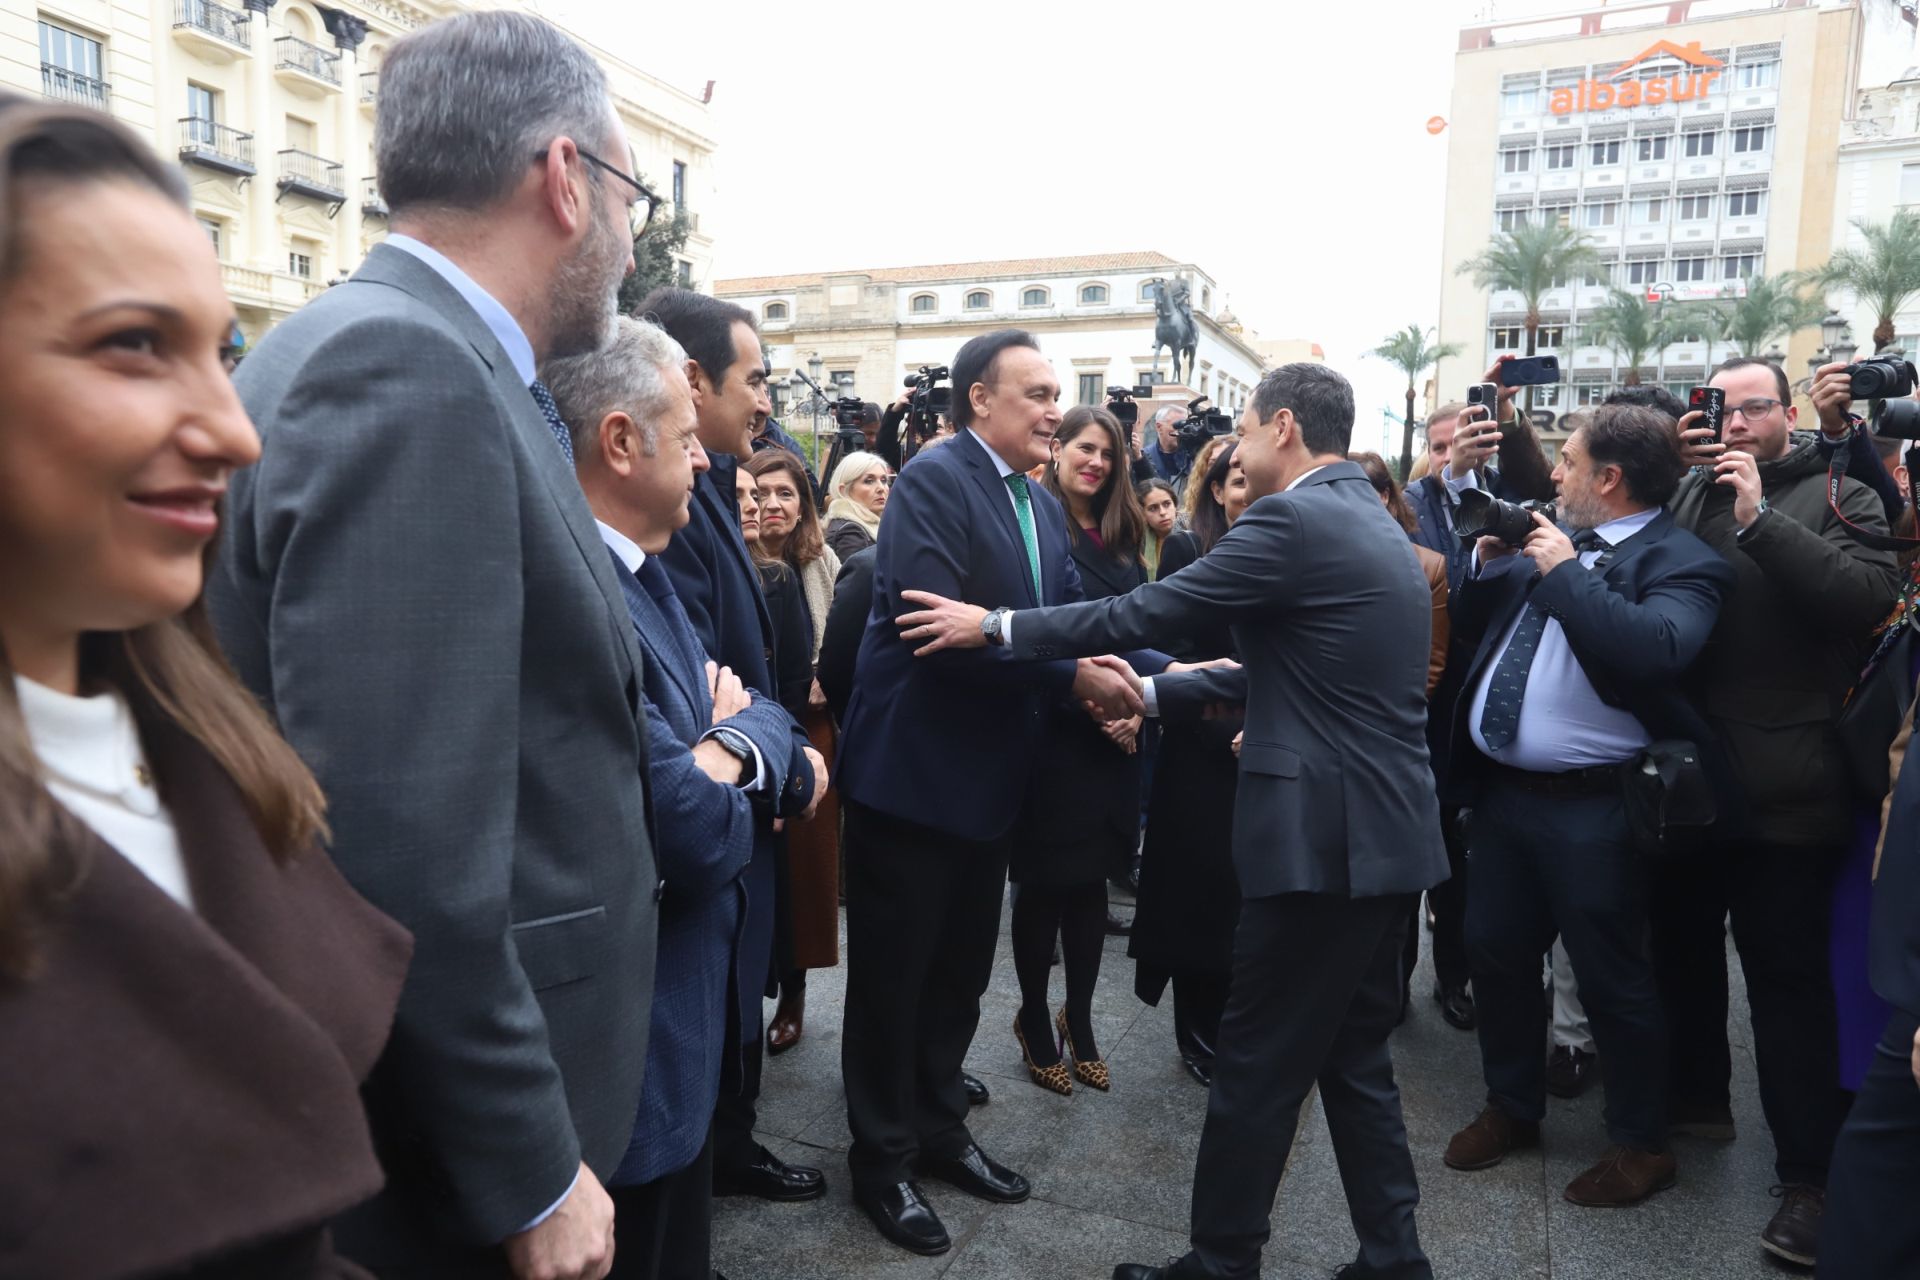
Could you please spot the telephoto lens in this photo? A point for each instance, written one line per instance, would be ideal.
(1483, 515)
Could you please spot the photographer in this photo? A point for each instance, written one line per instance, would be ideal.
(1163, 451)
(1772, 681)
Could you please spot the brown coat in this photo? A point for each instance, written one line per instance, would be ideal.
(179, 1092)
(1435, 565)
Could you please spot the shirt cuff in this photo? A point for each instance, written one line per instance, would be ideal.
(554, 1207)
(759, 782)
(1148, 701)
(1457, 484)
(1006, 630)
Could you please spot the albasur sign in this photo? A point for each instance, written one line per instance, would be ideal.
(1693, 81)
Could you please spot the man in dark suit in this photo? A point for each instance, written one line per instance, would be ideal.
(718, 586)
(413, 587)
(1335, 825)
(713, 747)
(1581, 644)
(933, 771)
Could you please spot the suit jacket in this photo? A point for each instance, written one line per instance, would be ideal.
(413, 586)
(1635, 626)
(719, 586)
(197, 1071)
(846, 625)
(1434, 565)
(950, 529)
(703, 844)
(1335, 793)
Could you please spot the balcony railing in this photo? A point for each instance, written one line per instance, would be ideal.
(369, 87)
(216, 146)
(63, 85)
(294, 54)
(306, 174)
(371, 201)
(218, 21)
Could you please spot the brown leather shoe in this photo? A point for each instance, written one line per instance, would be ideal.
(1486, 1142)
(789, 1019)
(1624, 1176)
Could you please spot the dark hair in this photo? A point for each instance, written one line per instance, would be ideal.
(1384, 484)
(1647, 396)
(870, 412)
(978, 362)
(1748, 362)
(170, 670)
(1146, 488)
(1321, 401)
(702, 325)
(1209, 521)
(805, 544)
(1116, 511)
(1640, 441)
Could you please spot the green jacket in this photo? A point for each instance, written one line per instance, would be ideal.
(1791, 637)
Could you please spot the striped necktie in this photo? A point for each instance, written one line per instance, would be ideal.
(1023, 509)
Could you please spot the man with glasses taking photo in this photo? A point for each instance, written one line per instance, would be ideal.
(1791, 637)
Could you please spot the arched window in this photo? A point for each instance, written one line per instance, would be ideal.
(1148, 290)
(979, 300)
(923, 304)
(1093, 295)
(1206, 298)
(298, 26)
(1034, 297)
(776, 311)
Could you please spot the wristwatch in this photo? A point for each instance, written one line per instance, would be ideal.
(742, 750)
(993, 626)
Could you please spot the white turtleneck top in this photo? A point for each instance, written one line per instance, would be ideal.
(95, 766)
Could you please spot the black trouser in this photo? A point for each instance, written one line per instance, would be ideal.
(1870, 1229)
(1449, 902)
(923, 919)
(734, 1146)
(663, 1230)
(1280, 1034)
(1564, 864)
(1779, 900)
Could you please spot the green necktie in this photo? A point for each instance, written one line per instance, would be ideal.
(1023, 508)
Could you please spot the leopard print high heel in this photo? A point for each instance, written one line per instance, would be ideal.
(1054, 1077)
(1092, 1074)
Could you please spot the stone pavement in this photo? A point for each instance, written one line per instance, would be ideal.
(1111, 1172)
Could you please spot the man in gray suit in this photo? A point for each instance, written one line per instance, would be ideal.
(1336, 826)
(414, 586)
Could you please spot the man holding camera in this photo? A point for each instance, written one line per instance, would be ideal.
(1163, 451)
(1772, 681)
(1581, 643)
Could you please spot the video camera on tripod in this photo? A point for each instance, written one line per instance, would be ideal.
(1120, 403)
(930, 401)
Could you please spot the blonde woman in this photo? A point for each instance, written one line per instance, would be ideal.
(859, 491)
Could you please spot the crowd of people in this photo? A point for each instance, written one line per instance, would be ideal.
(429, 743)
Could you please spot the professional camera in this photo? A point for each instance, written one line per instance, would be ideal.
(1881, 378)
(1120, 403)
(1483, 515)
(849, 414)
(930, 401)
(1203, 423)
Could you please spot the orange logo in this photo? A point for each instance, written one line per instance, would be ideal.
(1683, 86)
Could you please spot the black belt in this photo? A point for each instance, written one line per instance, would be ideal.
(1592, 780)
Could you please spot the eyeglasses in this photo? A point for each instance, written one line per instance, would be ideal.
(1758, 407)
(639, 209)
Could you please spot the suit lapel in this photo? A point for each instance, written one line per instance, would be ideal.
(664, 642)
(988, 478)
(726, 518)
(1655, 530)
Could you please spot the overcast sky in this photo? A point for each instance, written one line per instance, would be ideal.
(1280, 146)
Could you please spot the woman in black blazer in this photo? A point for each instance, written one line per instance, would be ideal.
(1083, 809)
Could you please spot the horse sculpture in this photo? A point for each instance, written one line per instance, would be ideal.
(1174, 328)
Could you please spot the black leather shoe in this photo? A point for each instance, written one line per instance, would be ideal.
(1199, 1068)
(977, 1095)
(1794, 1233)
(1116, 927)
(903, 1216)
(1175, 1269)
(979, 1174)
(771, 1178)
(1456, 1006)
(1569, 1071)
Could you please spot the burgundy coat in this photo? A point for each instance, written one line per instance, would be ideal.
(179, 1092)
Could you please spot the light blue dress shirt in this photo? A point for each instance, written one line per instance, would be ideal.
(499, 321)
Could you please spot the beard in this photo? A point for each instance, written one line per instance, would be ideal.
(586, 289)
(1580, 512)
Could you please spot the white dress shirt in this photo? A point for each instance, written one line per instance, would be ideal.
(1563, 723)
(90, 752)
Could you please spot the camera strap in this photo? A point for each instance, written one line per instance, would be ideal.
(1836, 474)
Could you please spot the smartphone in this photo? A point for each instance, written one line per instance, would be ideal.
(1711, 401)
(1530, 371)
(1485, 395)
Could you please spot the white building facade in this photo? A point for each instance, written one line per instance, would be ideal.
(1879, 175)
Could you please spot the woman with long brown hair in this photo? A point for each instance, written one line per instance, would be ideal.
(190, 994)
(790, 535)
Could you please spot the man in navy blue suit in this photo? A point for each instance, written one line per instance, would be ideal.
(933, 765)
(715, 578)
(719, 754)
(1581, 645)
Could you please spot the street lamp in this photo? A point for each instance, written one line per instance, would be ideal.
(1832, 329)
(1844, 348)
(815, 365)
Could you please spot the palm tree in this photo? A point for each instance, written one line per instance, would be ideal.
(1628, 325)
(1531, 259)
(1412, 351)
(1773, 308)
(1885, 274)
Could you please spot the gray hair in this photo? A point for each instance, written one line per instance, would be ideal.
(1168, 413)
(466, 103)
(1321, 400)
(628, 375)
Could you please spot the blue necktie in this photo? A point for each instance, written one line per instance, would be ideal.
(1500, 718)
(551, 411)
(654, 581)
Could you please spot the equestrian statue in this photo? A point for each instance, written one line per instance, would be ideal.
(1174, 328)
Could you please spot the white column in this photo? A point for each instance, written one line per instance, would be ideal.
(352, 157)
(264, 250)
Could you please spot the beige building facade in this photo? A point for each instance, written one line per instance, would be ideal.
(1694, 143)
(269, 105)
